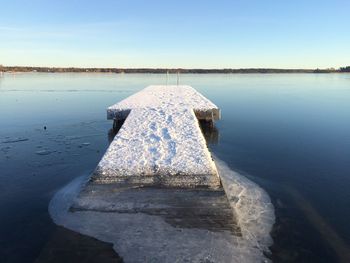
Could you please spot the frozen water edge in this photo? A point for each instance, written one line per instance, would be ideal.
(140, 237)
(251, 205)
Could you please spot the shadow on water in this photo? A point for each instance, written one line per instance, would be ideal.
(68, 246)
(210, 132)
(117, 125)
(111, 134)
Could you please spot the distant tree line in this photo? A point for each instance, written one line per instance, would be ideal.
(164, 70)
(345, 69)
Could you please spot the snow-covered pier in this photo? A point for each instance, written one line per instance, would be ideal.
(207, 212)
(160, 141)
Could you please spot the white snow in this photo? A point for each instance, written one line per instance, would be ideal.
(171, 96)
(160, 141)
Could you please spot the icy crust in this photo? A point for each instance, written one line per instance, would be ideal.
(252, 206)
(165, 97)
(160, 141)
(140, 237)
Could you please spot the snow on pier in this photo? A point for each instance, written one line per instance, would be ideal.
(160, 141)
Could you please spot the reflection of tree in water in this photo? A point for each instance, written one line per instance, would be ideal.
(111, 135)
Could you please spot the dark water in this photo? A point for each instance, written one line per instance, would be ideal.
(289, 133)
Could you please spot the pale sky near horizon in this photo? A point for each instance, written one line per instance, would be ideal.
(171, 34)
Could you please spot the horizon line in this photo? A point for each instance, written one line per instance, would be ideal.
(172, 68)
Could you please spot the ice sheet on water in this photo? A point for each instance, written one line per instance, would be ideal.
(140, 237)
(251, 204)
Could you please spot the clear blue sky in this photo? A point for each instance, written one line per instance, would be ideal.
(188, 34)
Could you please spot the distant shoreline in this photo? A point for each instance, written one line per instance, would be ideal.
(164, 70)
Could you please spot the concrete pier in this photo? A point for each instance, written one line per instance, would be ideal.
(160, 141)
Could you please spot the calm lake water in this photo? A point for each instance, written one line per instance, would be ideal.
(289, 133)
